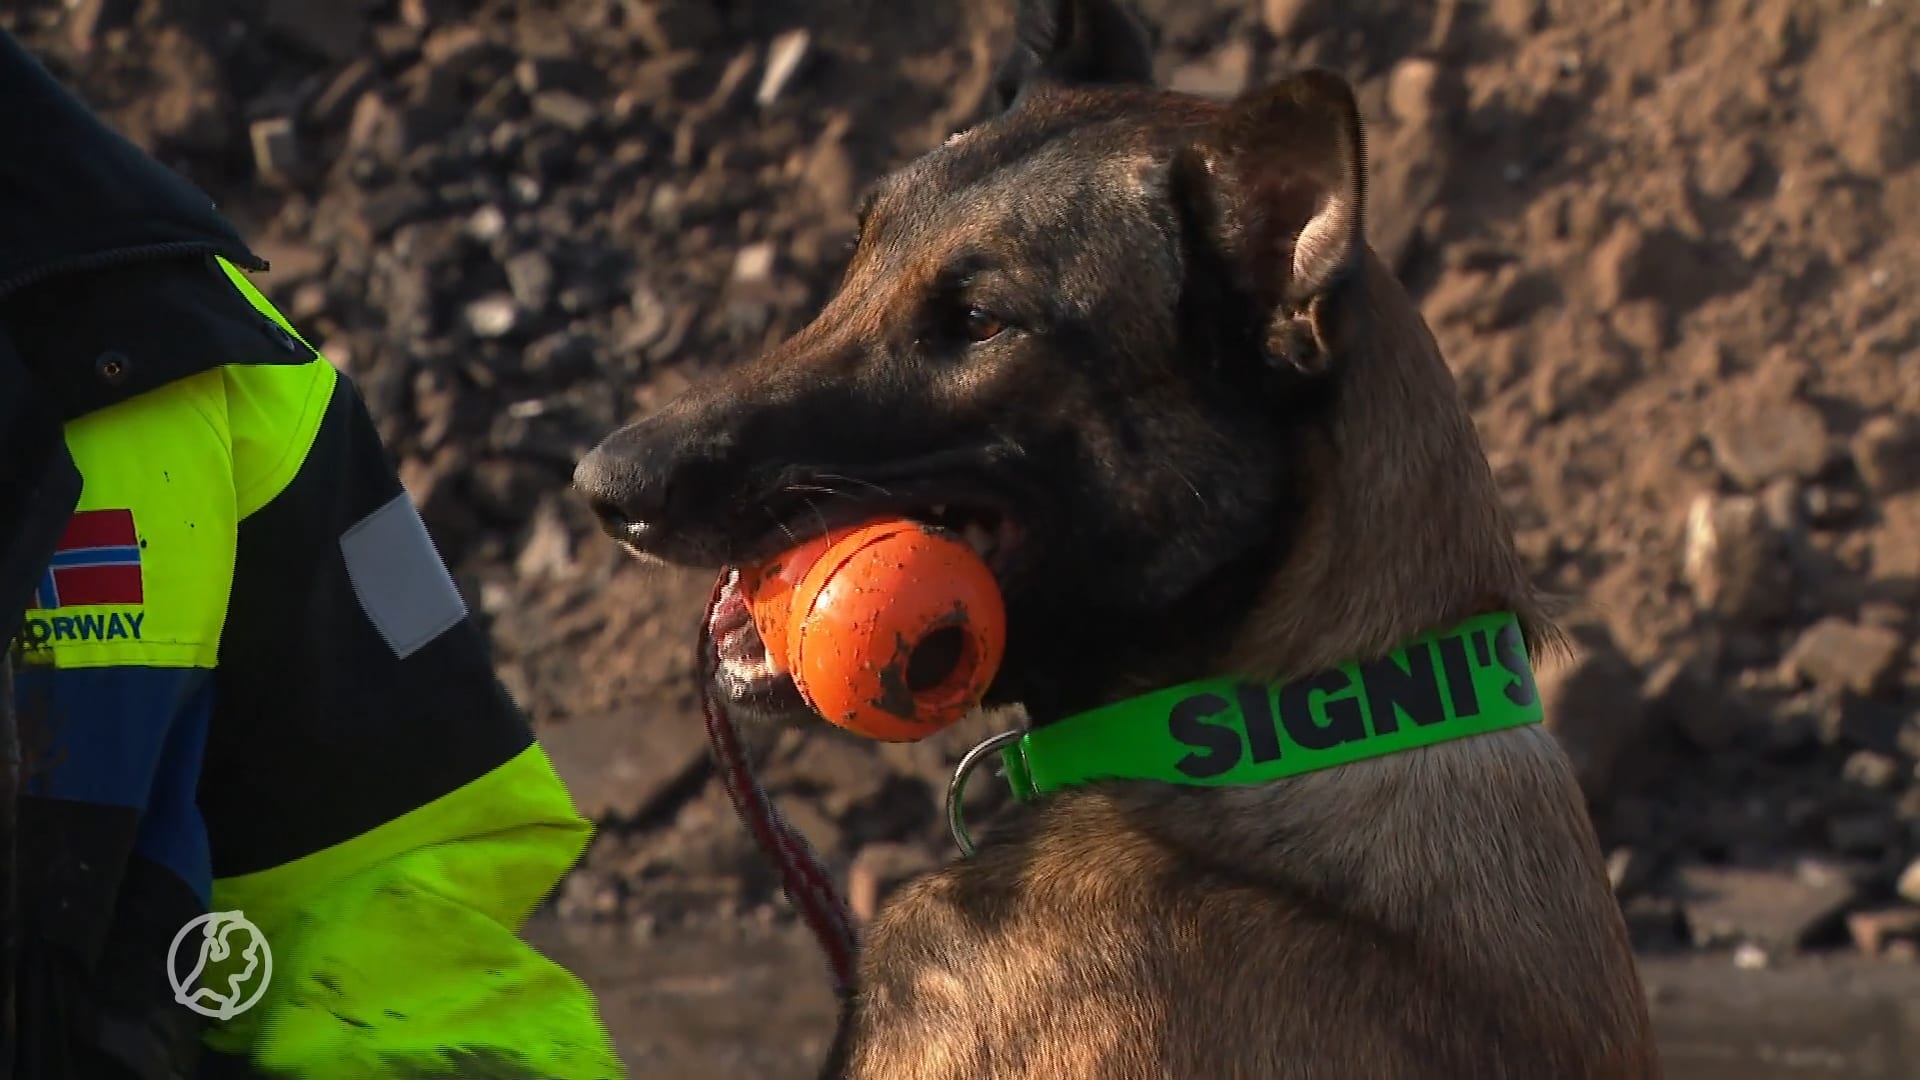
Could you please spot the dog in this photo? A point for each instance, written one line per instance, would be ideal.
(1135, 347)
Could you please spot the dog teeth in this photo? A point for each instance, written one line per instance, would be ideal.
(979, 539)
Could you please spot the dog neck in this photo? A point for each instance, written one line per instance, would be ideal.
(1403, 534)
(1402, 530)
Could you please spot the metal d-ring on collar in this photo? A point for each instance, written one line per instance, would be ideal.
(957, 787)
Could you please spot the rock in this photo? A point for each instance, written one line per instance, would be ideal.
(89, 19)
(561, 357)
(548, 551)
(1655, 923)
(1887, 453)
(816, 826)
(1628, 870)
(650, 316)
(567, 109)
(836, 770)
(1872, 931)
(487, 224)
(530, 276)
(1290, 18)
(1841, 655)
(1781, 504)
(877, 870)
(1220, 76)
(506, 490)
(1867, 95)
(1735, 564)
(537, 74)
(1757, 442)
(1725, 168)
(1830, 507)
(1642, 324)
(1870, 769)
(422, 14)
(1509, 298)
(752, 264)
(1751, 957)
(327, 29)
(391, 207)
(1771, 907)
(1517, 19)
(275, 152)
(1593, 709)
(453, 52)
(1407, 173)
(784, 58)
(1895, 547)
(1679, 695)
(334, 104)
(184, 103)
(1860, 723)
(1633, 264)
(492, 316)
(1909, 884)
(1415, 90)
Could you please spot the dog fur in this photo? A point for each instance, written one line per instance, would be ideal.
(1150, 329)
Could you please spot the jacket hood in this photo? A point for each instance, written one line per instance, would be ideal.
(74, 193)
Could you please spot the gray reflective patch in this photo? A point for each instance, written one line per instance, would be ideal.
(399, 578)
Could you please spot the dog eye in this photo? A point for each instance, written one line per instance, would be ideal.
(983, 325)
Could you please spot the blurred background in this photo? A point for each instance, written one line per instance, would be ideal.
(1669, 246)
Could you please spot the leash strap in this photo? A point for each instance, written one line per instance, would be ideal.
(806, 882)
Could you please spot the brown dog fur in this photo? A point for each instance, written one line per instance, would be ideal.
(1436, 913)
(1443, 913)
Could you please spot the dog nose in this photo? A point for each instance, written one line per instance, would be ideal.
(628, 499)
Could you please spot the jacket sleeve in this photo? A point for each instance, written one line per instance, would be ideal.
(375, 802)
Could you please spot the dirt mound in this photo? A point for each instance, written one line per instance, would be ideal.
(1668, 248)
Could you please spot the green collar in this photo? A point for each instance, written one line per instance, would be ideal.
(1471, 679)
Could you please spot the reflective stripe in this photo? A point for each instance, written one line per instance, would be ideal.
(399, 579)
(274, 412)
(368, 935)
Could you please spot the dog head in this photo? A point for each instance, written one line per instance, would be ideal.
(1105, 334)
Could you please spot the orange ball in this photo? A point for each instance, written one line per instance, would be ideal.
(893, 630)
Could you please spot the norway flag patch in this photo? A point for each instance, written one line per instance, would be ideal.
(97, 562)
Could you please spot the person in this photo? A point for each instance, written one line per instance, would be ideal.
(244, 680)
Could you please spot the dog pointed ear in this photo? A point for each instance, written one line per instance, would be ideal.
(1290, 170)
(1074, 42)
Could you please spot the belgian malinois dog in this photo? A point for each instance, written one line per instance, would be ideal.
(1134, 345)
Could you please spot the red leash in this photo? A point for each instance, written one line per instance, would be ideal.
(807, 885)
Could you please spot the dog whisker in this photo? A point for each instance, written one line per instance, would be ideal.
(782, 526)
(868, 484)
(1197, 497)
(798, 489)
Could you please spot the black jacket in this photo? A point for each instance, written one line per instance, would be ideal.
(76, 196)
(319, 726)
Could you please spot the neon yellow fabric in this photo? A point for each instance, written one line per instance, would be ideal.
(410, 929)
(164, 457)
(276, 411)
(399, 946)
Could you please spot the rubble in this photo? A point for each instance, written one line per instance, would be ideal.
(1679, 306)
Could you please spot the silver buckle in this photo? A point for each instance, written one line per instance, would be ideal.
(957, 787)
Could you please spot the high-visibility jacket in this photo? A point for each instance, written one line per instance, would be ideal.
(247, 683)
